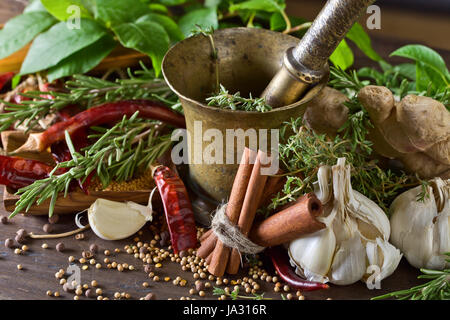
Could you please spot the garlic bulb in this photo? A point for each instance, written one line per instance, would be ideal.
(112, 220)
(420, 229)
(356, 234)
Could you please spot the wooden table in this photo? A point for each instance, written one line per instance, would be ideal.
(40, 265)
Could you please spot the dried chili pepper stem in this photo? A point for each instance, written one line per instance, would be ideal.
(59, 235)
(106, 113)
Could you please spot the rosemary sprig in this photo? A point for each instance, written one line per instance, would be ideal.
(225, 100)
(234, 295)
(132, 144)
(85, 91)
(438, 288)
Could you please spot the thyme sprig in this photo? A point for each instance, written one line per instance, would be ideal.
(129, 146)
(438, 288)
(226, 100)
(304, 151)
(234, 295)
(85, 91)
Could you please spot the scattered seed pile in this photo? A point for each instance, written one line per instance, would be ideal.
(144, 181)
(151, 257)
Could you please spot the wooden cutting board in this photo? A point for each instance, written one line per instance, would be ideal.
(76, 200)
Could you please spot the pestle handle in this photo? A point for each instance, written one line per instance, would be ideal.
(305, 64)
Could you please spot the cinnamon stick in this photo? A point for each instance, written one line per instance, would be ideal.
(207, 246)
(273, 185)
(290, 223)
(221, 252)
(205, 235)
(252, 199)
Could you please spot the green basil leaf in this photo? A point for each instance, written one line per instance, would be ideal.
(114, 12)
(167, 23)
(58, 8)
(427, 56)
(342, 57)
(263, 5)
(427, 77)
(35, 5)
(205, 18)
(371, 73)
(83, 60)
(21, 29)
(358, 35)
(408, 70)
(146, 37)
(59, 42)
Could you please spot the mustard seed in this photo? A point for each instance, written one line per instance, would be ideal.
(49, 293)
(98, 291)
(19, 267)
(44, 246)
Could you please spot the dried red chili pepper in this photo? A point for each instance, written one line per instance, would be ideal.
(178, 209)
(5, 78)
(16, 172)
(105, 113)
(281, 264)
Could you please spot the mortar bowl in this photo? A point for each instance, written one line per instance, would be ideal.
(248, 58)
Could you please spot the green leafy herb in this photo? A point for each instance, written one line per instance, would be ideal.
(234, 295)
(362, 40)
(118, 153)
(437, 288)
(305, 151)
(205, 18)
(84, 60)
(60, 8)
(58, 43)
(225, 100)
(342, 57)
(146, 37)
(143, 25)
(430, 67)
(22, 29)
(86, 91)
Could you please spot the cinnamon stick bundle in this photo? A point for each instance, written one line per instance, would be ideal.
(250, 189)
(221, 253)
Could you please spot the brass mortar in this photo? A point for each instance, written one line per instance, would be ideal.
(248, 59)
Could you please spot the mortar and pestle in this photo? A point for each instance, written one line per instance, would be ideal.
(286, 71)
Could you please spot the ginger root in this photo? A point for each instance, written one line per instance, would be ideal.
(415, 130)
(326, 113)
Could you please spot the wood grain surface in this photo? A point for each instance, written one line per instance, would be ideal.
(40, 266)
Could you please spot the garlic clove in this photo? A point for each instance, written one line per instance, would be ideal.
(313, 254)
(372, 220)
(322, 186)
(412, 226)
(349, 263)
(384, 255)
(111, 220)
